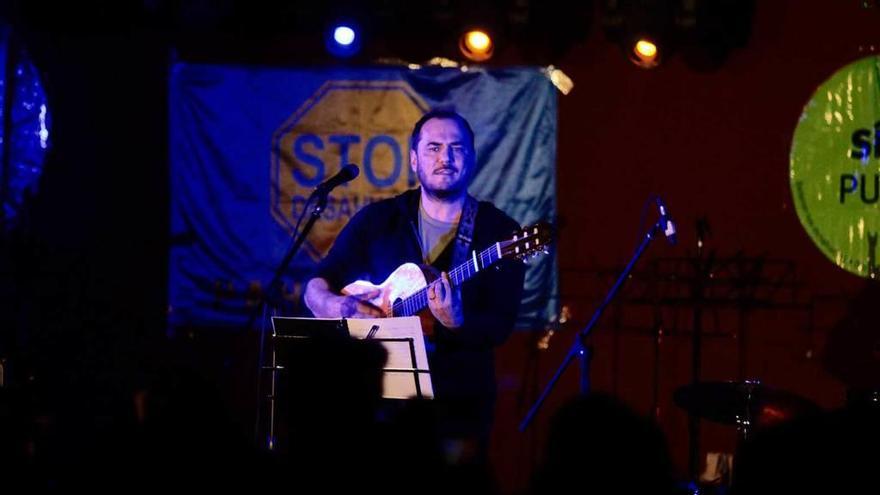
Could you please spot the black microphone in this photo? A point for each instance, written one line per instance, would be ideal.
(666, 221)
(348, 172)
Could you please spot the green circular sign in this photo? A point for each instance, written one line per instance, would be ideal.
(835, 167)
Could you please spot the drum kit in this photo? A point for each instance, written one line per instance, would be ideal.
(747, 405)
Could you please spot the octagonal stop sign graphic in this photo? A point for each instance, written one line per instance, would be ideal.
(367, 123)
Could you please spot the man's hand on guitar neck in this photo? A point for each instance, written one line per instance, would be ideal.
(445, 302)
(326, 304)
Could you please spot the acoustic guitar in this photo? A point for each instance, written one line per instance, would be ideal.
(405, 291)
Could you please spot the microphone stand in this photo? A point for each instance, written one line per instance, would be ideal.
(270, 297)
(579, 348)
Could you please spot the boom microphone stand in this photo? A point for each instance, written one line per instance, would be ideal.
(579, 348)
(319, 195)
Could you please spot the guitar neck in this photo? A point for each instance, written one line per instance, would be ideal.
(478, 262)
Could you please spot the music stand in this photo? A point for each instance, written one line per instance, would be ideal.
(401, 338)
(289, 331)
(298, 328)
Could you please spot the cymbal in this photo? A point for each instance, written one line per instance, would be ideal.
(746, 403)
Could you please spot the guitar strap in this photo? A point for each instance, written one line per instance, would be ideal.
(465, 233)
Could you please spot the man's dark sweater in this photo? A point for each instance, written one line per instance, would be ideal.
(383, 236)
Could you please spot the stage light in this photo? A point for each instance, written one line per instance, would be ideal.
(343, 40)
(645, 53)
(476, 45)
(646, 49)
(344, 35)
(478, 41)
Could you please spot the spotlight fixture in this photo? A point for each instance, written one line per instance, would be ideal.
(476, 45)
(344, 35)
(645, 53)
(343, 40)
(703, 32)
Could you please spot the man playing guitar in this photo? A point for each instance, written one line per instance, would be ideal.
(441, 226)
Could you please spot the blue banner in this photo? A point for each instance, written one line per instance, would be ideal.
(249, 144)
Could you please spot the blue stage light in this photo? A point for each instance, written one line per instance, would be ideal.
(344, 35)
(343, 40)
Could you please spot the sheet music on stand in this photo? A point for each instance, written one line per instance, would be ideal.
(407, 358)
(406, 373)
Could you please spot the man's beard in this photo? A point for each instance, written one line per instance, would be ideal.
(453, 192)
(444, 194)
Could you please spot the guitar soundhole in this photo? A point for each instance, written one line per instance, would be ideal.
(393, 305)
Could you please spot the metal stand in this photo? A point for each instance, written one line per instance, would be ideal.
(580, 349)
(415, 367)
(704, 284)
(330, 329)
(270, 299)
(702, 270)
(290, 332)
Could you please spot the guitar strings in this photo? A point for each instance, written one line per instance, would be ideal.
(418, 300)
